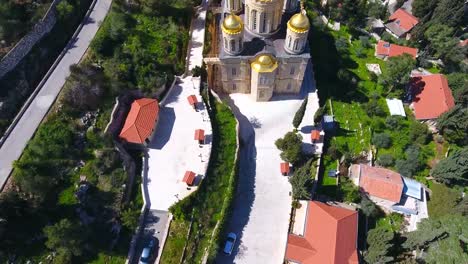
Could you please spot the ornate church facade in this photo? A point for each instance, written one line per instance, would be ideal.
(263, 48)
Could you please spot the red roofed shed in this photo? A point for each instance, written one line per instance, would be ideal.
(405, 20)
(192, 99)
(330, 236)
(380, 182)
(141, 121)
(284, 166)
(189, 178)
(384, 49)
(200, 135)
(431, 96)
(315, 135)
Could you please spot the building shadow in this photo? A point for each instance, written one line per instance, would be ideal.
(164, 128)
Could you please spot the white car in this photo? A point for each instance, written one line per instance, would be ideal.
(230, 242)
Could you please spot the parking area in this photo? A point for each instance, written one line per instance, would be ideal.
(156, 222)
(262, 204)
(173, 150)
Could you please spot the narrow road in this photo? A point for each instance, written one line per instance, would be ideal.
(35, 113)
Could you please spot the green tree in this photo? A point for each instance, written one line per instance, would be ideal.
(409, 166)
(66, 238)
(442, 43)
(291, 147)
(300, 114)
(443, 200)
(382, 140)
(419, 133)
(301, 181)
(84, 87)
(396, 74)
(368, 207)
(64, 10)
(130, 218)
(423, 8)
(386, 160)
(319, 115)
(380, 243)
(453, 169)
(453, 125)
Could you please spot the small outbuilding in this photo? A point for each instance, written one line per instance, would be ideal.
(284, 166)
(200, 136)
(189, 178)
(141, 122)
(193, 101)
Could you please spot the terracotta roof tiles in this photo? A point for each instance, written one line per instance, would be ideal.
(380, 182)
(140, 120)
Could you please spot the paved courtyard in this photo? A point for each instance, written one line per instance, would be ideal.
(263, 203)
(173, 149)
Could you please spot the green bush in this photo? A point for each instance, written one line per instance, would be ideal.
(382, 140)
(300, 114)
(386, 160)
(319, 115)
(291, 147)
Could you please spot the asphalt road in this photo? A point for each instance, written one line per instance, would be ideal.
(155, 226)
(27, 125)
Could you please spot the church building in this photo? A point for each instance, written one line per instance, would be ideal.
(263, 48)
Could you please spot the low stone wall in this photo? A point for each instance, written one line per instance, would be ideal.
(24, 46)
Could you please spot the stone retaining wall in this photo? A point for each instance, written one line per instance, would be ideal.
(24, 46)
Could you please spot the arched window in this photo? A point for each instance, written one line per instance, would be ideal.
(226, 43)
(289, 41)
(263, 80)
(292, 70)
(231, 4)
(240, 45)
(264, 22)
(232, 44)
(288, 87)
(254, 19)
(295, 44)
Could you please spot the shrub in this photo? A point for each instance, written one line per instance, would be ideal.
(382, 140)
(386, 160)
(301, 181)
(334, 152)
(300, 114)
(393, 122)
(319, 115)
(373, 108)
(291, 147)
(419, 133)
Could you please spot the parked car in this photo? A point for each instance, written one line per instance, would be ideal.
(147, 252)
(230, 242)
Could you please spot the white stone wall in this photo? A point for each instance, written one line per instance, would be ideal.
(233, 44)
(24, 46)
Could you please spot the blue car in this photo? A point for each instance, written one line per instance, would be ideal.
(230, 242)
(146, 254)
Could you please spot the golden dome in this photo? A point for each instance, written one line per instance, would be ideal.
(264, 63)
(232, 24)
(299, 23)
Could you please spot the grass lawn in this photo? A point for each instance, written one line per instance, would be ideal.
(328, 185)
(216, 189)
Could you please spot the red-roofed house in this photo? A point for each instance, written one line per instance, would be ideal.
(400, 23)
(329, 236)
(384, 50)
(431, 96)
(381, 183)
(141, 121)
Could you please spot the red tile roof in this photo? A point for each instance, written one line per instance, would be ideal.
(380, 182)
(431, 96)
(189, 177)
(284, 166)
(192, 99)
(315, 135)
(199, 134)
(384, 48)
(330, 236)
(404, 20)
(140, 120)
